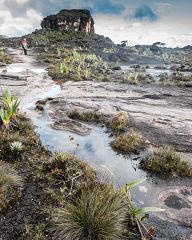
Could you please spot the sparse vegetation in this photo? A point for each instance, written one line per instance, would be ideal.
(64, 173)
(74, 65)
(166, 162)
(175, 78)
(34, 233)
(88, 116)
(10, 182)
(128, 143)
(4, 58)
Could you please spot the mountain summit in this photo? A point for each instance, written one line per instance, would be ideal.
(79, 20)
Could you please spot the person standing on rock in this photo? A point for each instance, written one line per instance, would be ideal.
(24, 45)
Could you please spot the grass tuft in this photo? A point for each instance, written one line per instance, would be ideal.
(128, 143)
(97, 214)
(119, 122)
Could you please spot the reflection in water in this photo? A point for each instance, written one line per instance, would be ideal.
(96, 150)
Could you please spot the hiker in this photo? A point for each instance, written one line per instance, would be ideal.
(24, 45)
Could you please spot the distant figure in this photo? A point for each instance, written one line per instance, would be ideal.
(24, 45)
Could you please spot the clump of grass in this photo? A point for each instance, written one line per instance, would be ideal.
(98, 213)
(10, 181)
(128, 143)
(88, 116)
(131, 78)
(119, 122)
(166, 162)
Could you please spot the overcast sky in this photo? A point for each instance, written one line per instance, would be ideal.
(138, 21)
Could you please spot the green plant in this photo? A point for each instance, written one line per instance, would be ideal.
(128, 142)
(10, 108)
(166, 162)
(98, 213)
(5, 58)
(16, 147)
(88, 116)
(9, 183)
(131, 78)
(139, 214)
(62, 156)
(34, 233)
(119, 122)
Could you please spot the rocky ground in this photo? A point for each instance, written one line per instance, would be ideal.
(162, 114)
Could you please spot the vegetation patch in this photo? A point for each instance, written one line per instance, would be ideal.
(74, 65)
(176, 78)
(10, 182)
(128, 143)
(166, 162)
(119, 122)
(88, 116)
(136, 77)
(34, 233)
(64, 173)
(99, 212)
(4, 57)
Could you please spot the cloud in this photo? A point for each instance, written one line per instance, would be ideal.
(19, 7)
(145, 12)
(17, 26)
(107, 7)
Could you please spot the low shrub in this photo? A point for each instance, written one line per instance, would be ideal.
(166, 162)
(119, 122)
(88, 116)
(5, 58)
(128, 143)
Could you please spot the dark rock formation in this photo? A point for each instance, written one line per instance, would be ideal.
(75, 19)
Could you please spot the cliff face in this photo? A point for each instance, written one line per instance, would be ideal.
(75, 19)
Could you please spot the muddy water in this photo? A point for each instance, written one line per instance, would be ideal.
(95, 147)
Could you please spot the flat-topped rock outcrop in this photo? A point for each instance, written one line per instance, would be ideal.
(79, 20)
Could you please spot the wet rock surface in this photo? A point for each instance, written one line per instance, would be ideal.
(177, 201)
(162, 114)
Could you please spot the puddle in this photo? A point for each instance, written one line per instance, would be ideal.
(23, 67)
(96, 150)
(154, 72)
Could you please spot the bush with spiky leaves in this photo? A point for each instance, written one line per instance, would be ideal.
(98, 213)
(9, 109)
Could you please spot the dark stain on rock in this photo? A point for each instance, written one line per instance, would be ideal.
(176, 202)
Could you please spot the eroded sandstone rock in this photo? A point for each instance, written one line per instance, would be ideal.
(75, 19)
